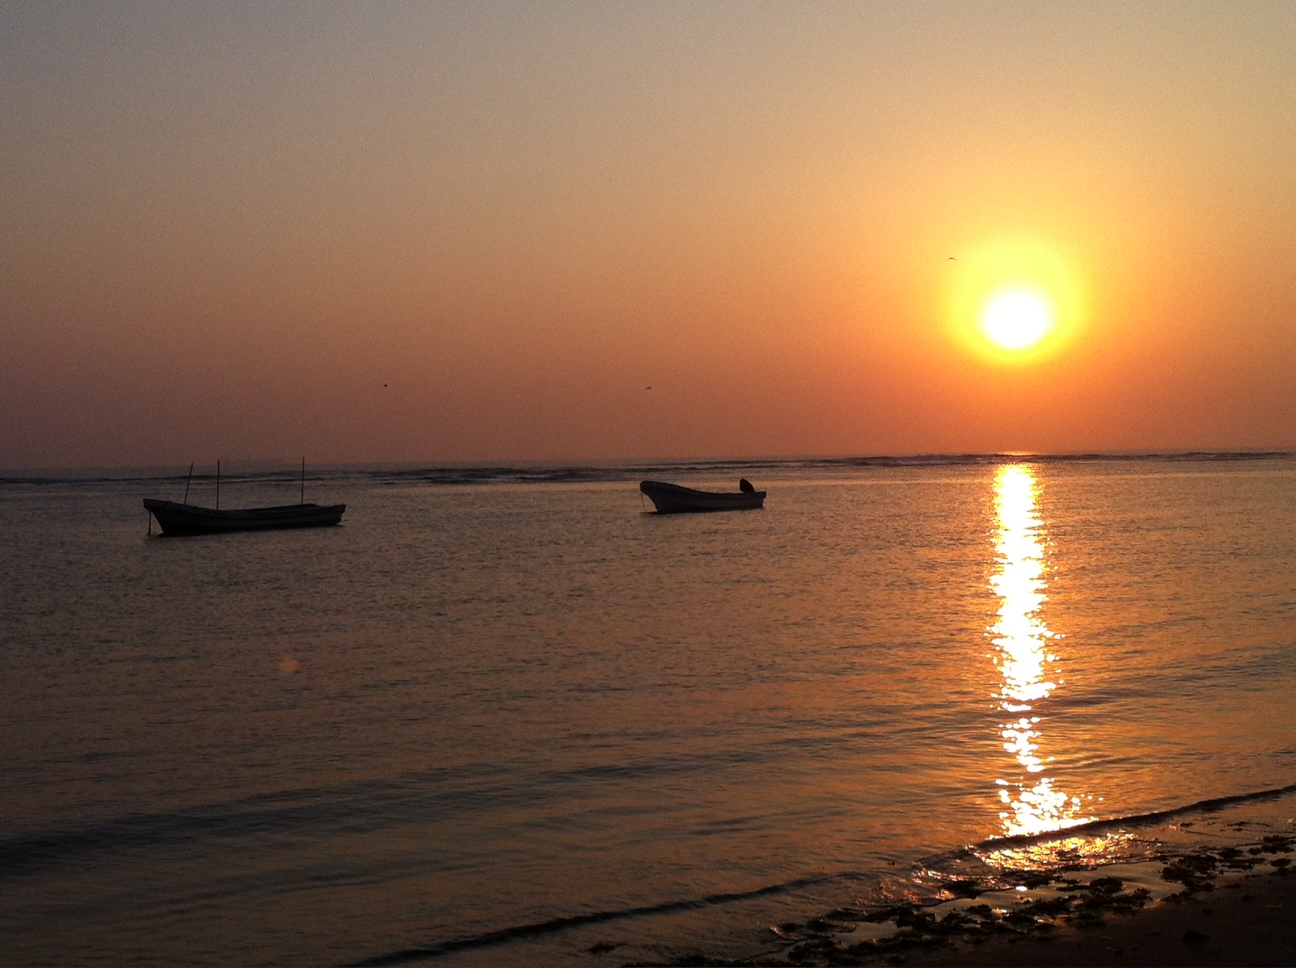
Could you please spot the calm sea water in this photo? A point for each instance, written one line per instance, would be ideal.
(507, 716)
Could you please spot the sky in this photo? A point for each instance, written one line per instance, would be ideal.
(443, 231)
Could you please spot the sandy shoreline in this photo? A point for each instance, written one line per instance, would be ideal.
(1247, 921)
(1227, 905)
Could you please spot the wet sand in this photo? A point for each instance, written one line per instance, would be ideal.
(1224, 906)
(1249, 921)
(1227, 906)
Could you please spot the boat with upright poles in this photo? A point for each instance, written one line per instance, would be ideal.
(183, 518)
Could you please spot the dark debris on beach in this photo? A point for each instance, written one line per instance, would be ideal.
(820, 940)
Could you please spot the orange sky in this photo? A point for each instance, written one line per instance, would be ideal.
(462, 231)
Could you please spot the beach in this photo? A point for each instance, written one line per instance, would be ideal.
(1243, 924)
(1228, 907)
(1249, 921)
(365, 366)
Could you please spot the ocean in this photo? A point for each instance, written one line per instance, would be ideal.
(504, 715)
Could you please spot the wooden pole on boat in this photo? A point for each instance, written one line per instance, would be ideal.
(218, 485)
(303, 494)
(187, 480)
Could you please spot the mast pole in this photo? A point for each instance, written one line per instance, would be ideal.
(218, 485)
(187, 480)
(303, 491)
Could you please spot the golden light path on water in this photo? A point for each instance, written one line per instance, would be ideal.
(1031, 804)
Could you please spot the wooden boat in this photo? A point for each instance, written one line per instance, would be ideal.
(177, 518)
(181, 517)
(675, 499)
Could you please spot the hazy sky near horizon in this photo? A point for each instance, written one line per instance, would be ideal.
(473, 231)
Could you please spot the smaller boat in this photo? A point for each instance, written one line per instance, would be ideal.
(176, 518)
(675, 499)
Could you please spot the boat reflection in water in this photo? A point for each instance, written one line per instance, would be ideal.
(1031, 802)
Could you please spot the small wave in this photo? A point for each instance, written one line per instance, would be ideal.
(552, 925)
(37, 853)
(371, 803)
(1108, 824)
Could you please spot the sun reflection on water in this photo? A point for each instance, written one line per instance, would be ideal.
(1070, 852)
(1031, 803)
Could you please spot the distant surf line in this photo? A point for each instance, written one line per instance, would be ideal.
(541, 472)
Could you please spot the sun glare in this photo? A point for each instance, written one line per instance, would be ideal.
(1014, 301)
(1016, 319)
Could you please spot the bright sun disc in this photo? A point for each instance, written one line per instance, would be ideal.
(1016, 319)
(1014, 301)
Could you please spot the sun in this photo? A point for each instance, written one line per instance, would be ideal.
(1017, 318)
(1015, 301)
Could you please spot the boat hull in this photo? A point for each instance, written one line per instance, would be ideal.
(674, 499)
(184, 519)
